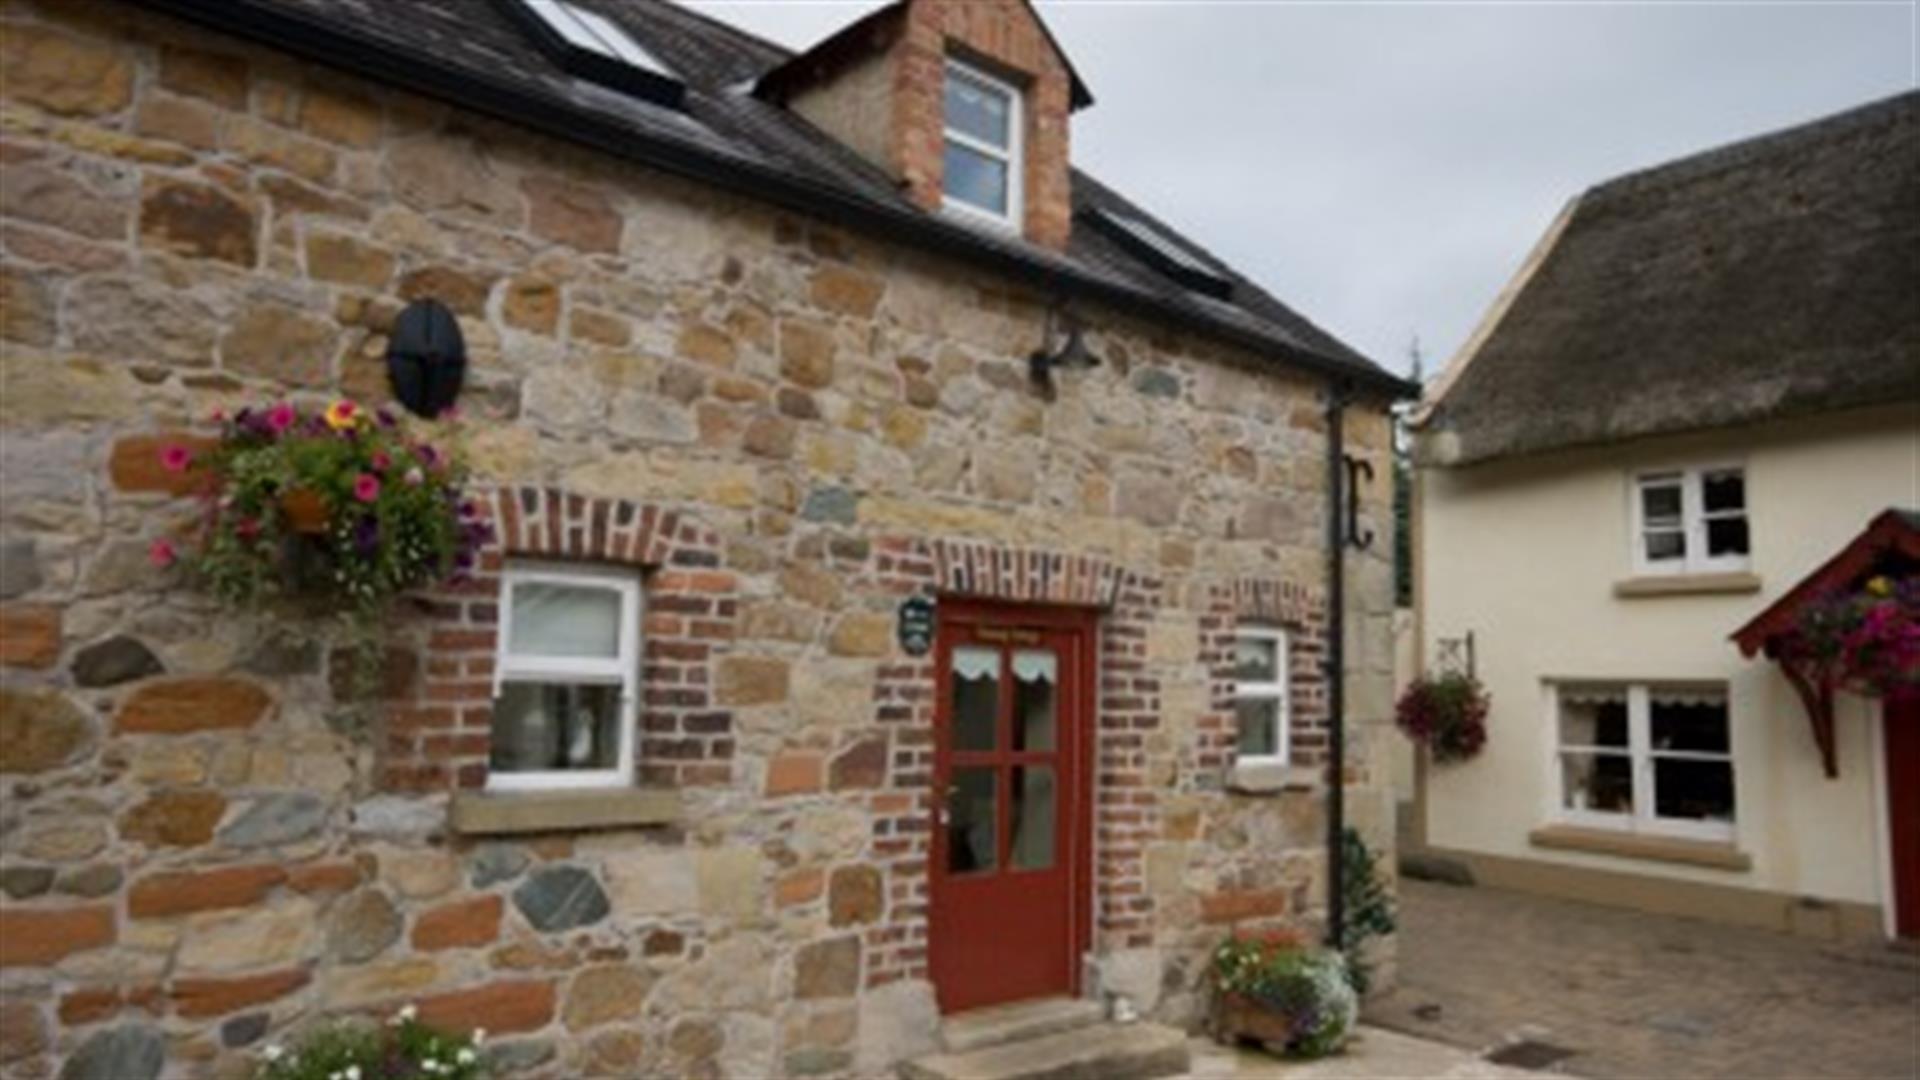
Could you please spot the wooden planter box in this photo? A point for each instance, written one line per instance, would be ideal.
(1237, 1020)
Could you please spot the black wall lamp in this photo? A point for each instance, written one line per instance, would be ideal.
(426, 358)
(1069, 354)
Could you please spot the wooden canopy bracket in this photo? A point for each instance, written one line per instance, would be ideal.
(1816, 688)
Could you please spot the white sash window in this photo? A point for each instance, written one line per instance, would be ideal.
(1645, 758)
(1260, 697)
(566, 693)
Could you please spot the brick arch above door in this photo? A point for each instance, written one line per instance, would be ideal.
(989, 570)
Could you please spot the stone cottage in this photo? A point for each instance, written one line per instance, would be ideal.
(768, 356)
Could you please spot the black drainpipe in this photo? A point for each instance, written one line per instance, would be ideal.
(1337, 396)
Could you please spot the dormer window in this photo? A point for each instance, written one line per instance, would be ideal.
(982, 128)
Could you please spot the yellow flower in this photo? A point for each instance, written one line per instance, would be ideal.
(1880, 586)
(343, 414)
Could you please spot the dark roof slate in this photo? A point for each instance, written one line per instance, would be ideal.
(1774, 277)
(472, 53)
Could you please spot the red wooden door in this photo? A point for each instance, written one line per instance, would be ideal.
(1011, 779)
(1902, 712)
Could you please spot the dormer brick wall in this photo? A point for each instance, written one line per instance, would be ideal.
(879, 87)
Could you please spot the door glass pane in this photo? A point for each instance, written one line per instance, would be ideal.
(976, 109)
(540, 726)
(1727, 536)
(1723, 490)
(564, 620)
(1693, 790)
(976, 697)
(1593, 716)
(1036, 697)
(1689, 720)
(1033, 817)
(976, 179)
(1259, 726)
(1598, 783)
(1256, 659)
(971, 821)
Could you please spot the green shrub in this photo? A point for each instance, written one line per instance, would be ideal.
(1368, 907)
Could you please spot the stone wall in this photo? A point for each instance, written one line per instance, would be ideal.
(201, 848)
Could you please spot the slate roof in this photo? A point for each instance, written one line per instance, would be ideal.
(1773, 277)
(472, 53)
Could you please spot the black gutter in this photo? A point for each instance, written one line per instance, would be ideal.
(425, 73)
(1338, 394)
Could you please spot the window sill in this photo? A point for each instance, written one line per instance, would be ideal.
(1271, 778)
(474, 813)
(1686, 585)
(1712, 854)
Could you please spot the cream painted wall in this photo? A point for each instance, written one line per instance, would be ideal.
(1525, 554)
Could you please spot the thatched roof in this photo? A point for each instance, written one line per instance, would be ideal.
(1774, 277)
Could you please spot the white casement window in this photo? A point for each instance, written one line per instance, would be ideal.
(566, 679)
(1645, 758)
(1690, 521)
(1260, 700)
(983, 146)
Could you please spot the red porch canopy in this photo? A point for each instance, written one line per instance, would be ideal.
(1889, 545)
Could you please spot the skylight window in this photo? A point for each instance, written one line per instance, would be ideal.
(592, 46)
(1164, 253)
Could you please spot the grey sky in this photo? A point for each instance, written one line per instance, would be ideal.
(1384, 167)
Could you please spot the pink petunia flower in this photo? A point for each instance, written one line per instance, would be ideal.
(160, 553)
(366, 487)
(381, 461)
(281, 417)
(175, 458)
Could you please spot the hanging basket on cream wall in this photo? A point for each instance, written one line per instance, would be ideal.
(1447, 714)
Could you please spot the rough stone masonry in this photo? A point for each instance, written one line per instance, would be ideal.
(787, 427)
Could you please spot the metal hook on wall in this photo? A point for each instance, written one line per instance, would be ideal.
(1357, 469)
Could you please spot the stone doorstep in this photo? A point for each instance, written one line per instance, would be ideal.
(1000, 1024)
(1104, 1051)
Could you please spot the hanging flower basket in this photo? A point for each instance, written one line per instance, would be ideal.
(1446, 713)
(338, 508)
(306, 511)
(1868, 637)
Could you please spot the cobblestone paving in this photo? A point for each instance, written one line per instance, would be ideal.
(1638, 995)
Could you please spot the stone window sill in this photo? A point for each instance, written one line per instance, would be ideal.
(1686, 585)
(493, 813)
(1269, 778)
(1708, 853)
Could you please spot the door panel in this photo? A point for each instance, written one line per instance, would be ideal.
(1011, 779)
(1902, 747)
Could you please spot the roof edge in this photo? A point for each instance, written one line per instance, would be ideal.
(1496, 312)
(430, 75)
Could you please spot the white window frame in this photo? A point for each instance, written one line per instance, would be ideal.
(1642, 755)
(1278, 689)
(1013, 154)
(1693, 520)
(623, 670)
